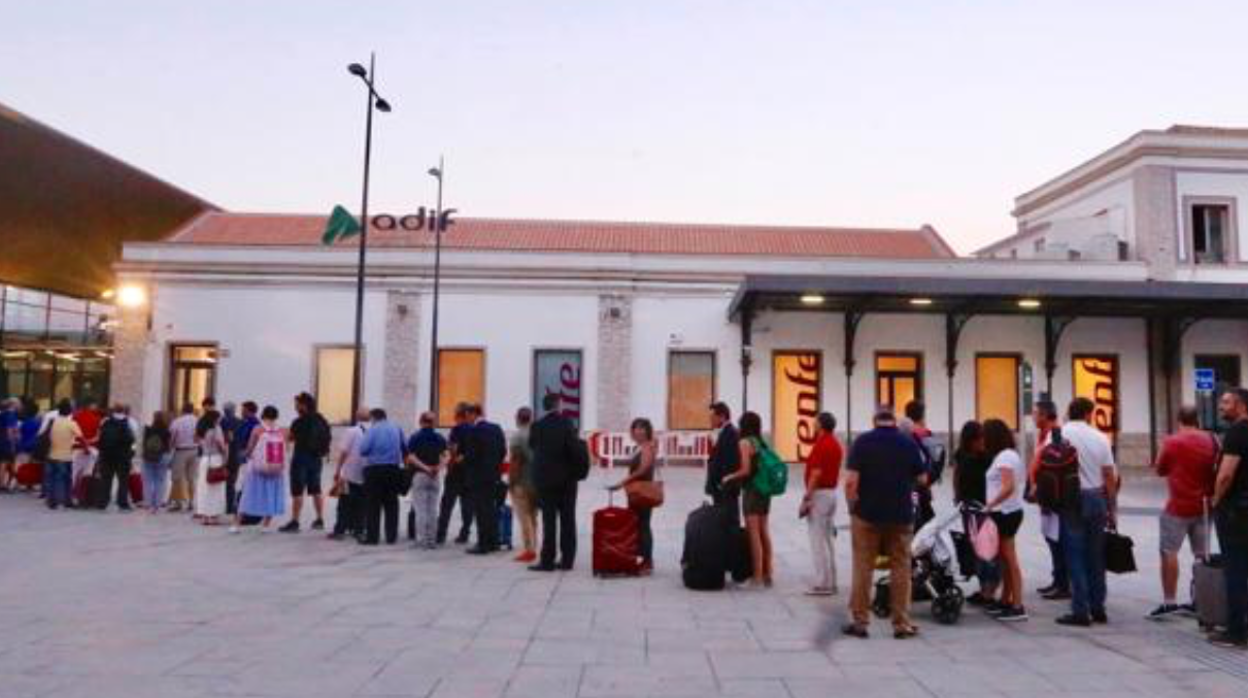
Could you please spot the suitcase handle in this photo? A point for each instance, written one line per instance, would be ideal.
(1209, 532)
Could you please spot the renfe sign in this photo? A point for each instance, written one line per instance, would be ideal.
(796, 379)
(1096, 378)
(558, 372)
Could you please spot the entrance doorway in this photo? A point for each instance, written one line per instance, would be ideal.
(192, 374)
(1225, 369)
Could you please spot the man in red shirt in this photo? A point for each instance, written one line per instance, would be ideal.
(1187, 462)
(823, 470)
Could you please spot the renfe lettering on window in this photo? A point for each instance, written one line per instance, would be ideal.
(796, 379)
(558, 372)
(1096, 378)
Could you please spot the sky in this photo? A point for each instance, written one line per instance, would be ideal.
(889, 113)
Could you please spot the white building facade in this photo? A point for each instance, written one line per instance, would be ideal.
(1123, 280)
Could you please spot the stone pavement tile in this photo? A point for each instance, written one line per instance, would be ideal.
(881, 688)
(574, 652)
(408, 682)
(714, 640)
(469, 688)
(759, 688)
(545, 682)
(774, 665)
(627, 682)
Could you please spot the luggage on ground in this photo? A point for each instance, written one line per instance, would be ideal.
(91, 491)
(1057, 479)
(1119, 557)
(135, 484)
(1209, 585)
(616, 535)
(740, 566)
(705, 556)
(30, 474)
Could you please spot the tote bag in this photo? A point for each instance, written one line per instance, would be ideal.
(985, 538)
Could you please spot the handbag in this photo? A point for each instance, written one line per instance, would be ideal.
(644, 494)
(985, 538)
(1119, 554)
(215, 472)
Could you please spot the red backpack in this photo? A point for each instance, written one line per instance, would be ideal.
(1057, 478)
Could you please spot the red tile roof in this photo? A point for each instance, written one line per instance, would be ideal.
(223, 228)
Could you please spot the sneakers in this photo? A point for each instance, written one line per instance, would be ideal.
(995, 608)
(1164, 611)
(1100, 618)
(292, 527)
(1013, 614)
(1228, 641)
(526, 556)
(318, 525)
(905, 633)
(1057, 595)
(235, 530)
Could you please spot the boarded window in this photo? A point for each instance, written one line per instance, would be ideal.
(690, 389)
(335, 368)
(996, 388)
(461, 378)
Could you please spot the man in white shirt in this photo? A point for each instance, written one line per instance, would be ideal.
(1083, 531)
(349, 480)
(185, 459)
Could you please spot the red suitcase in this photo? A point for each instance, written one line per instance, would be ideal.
(136, 487)
(30, 474)
(616, 538)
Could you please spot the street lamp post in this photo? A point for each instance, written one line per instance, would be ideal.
(374, 100)
(437, 173)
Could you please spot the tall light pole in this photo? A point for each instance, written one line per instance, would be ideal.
(439, 174)
(374, 100)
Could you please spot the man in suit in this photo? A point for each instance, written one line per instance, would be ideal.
(724, 460)
(485, 449)
(554, 442)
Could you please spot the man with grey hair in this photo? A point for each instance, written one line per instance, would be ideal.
(349, 480)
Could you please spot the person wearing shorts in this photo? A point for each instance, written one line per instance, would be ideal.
(311, 436)
(1006, 481)
(1186, 460)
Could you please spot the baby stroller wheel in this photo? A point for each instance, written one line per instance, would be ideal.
(881, 606)
(947, 608)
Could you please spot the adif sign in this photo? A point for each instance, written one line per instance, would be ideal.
(1096, 378)
(795, 404)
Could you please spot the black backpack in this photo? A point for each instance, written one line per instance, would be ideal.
(321, 437)
(580, 459)
(116, 440)
(1057, 478)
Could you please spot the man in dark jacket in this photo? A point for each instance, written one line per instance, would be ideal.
(485, 449)
(554, 442)
(116, 444)
(725, 459)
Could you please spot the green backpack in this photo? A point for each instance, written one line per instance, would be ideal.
(772, 475)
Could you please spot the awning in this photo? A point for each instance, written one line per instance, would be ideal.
(990, 296)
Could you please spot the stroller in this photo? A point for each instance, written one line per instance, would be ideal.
(936, 548)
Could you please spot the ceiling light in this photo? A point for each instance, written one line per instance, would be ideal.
(1029, 303)
(812, 299)
(107, 294)
(921, 301)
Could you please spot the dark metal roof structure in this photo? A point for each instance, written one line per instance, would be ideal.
(65, 209)
(991, 296)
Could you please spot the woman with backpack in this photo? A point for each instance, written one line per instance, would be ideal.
(213, 472)
(264, 490)
(157, 453)
(755, 504)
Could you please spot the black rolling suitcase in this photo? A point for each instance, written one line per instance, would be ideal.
(705, 558)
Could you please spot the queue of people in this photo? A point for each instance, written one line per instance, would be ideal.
(226, 467)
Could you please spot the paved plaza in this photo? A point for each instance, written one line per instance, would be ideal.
(112, 605)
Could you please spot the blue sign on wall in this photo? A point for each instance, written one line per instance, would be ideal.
(1206, 380)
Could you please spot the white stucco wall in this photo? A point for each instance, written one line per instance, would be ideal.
(270, 335)
(1071, 218)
